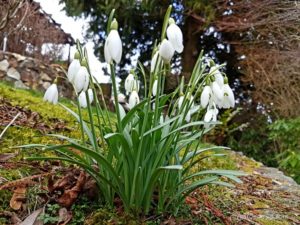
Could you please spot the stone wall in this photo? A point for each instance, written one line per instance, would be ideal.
(28, 73)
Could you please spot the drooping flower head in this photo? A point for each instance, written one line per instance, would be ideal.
(73, 68)
(134, 99)
(113, 44)
(166, 51)
(81, 81)
(130, 83)
(154, 61)
(174, 35)
(154, 87)
(51, 94)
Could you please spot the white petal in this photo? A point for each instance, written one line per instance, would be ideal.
(107, 55)
(154, 61)
(154, 88)
(129, 81)
(166, 51)
(114, 45)
(81, 81)
(205, 95)
(174, 35)
(82, 100)
(217, 90)
(230, 95)
(73, 70)
(208, 115)
(51, 94)
(91, 95)
(133, 99)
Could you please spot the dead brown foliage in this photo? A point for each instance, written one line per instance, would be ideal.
(267, 33)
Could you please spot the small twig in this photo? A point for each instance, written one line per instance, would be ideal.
(11, 122)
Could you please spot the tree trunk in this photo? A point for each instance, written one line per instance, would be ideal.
(191, 45)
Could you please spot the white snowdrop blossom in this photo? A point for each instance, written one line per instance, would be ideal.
(82, 98)
(133, 99)
(51, 94)
(211, 115)
(129, 83)
(113, 44)
(166, 51)
(73, 70)
(154, 87)
(81, 81)
(154, 61)
(228, 100)
(205, 96)
(174, 35)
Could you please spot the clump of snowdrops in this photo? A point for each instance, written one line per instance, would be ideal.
(145, 157)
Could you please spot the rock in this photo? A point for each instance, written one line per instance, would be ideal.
(13, 73)
(46, 85)
(19, 57)
(20, 84)
(4, 65)
(13, 62)
(45, 77)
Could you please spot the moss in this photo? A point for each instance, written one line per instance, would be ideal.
(265, 221)
(108, 217)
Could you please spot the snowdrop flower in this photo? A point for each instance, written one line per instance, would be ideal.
(154, 87)
(113, 44)
(73, 70)
(166, 51)
(211, 115)
(174, 35)
(82, 98)
(133, 99)
(129, 83)
(205, 96)
(154, 61)
(51, 94)
(81, 81)
(228, 100)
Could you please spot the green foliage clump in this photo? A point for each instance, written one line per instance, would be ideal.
(286, 136)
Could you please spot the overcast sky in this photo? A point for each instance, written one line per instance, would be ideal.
(75, 27)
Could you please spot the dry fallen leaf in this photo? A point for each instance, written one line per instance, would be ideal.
(32, 219)
(18, 197)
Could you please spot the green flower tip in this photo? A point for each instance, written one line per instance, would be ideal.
(171, 21)
(55, 80)
(225, 80)
(114, 24)
(84, 62)
(77, 55)
(131, 71)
